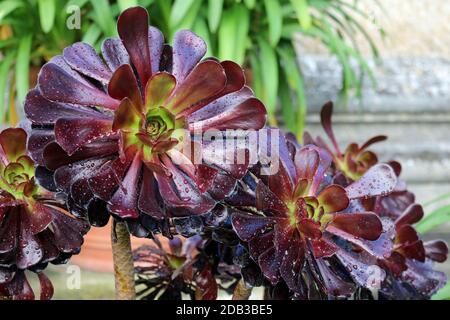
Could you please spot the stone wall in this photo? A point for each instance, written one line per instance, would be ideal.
(411, 102)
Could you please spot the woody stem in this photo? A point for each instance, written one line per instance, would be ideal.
(123, 262)
(242, 291)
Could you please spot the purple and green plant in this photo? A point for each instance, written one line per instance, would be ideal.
(35, 229)
(119, 134)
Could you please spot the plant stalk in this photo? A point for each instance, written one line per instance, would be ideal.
(123, 262)
(242, 291)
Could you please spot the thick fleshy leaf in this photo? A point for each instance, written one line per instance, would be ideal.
(409, 244)
(250, 114)
(324, 247)
(362, 225)
(30, 252)
(158, 89)
(380, 248)
(37, 142)
(380, 180)
(109, 177)
(62, 63)
(68, 231)
(56, 157)
(335, 285)
(423, 277)
(97, 213)
(235, 77)
(73, 133)
(148, 201)
(8, 229)
(230, 158)
(156, 44)
(249, 226)
(413, 214)
(206, 283)
(306, 163)
(222, 186)
(270, 263)
(83, 58)
(436, 250)
(114, 53)
(188, 49)
(281, 181)
(13, 143)
(267, 201)
(206, 80)
(364, 273)
(292, 262)
(46, 287)
(258, 245)
(42, 111)
(220, 105)
(124, 202)
(132, 26)
(127, 117)
(21, 287)
(333, 198)
(124, 84)
(325, 118)
(372, 141)
(57, 85)
(309, 228)
(39, 219)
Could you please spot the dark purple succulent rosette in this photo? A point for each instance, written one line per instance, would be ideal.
(304, 221)
(354, 162)
(411, 260)
(167, 274)
(109, 129)
(34, 229)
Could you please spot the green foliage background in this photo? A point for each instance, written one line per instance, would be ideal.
(255, 33)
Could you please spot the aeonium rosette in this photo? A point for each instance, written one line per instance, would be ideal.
(301, 219)
(355, 160)
(34, 229)
(409, 264)
(112, 130)
(168, 274)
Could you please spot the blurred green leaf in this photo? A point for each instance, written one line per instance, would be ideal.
(5, 68)
(23, 67)
(250, 3)
(302, 11)
(8, 6)
(92, 35)
(437, 199)
(47, 14)
(125, 4)
(287, 106)
(255, 73)
(179, 9)
(215, 8)
(434, 219)
(269, 76)
(294, 79)
(104, 17)
(201, 28)
(233, 34)
(443, 294)
(275, 17)
(189, 19)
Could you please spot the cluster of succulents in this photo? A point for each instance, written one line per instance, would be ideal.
(107, 137)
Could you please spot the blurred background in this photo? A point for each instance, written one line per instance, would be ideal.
(385, 64)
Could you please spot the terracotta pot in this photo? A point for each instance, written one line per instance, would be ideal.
(96, 252)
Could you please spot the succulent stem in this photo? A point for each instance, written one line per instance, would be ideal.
(242, 291)
(123, 262)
